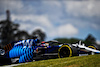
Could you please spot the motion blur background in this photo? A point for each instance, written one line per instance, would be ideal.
(53, 19)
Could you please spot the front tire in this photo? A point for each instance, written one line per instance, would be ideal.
(67, 51)
(64, 51)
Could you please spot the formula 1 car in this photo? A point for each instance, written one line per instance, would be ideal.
(65, 49)
(31, 49)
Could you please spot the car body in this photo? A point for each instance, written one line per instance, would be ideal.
(29, 50)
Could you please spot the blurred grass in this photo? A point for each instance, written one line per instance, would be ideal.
(77, 61)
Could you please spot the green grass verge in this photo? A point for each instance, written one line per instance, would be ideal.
(77, 61)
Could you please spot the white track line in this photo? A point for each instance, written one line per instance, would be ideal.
(14, 65)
